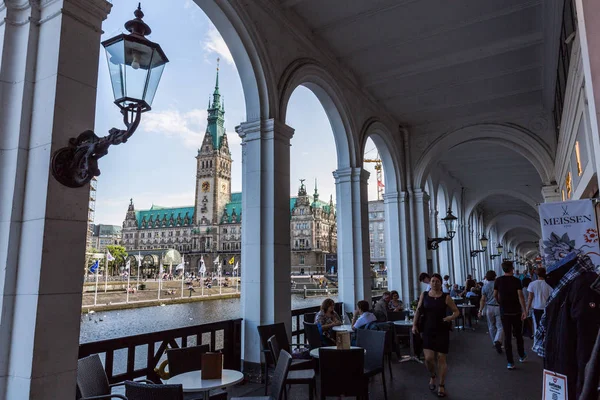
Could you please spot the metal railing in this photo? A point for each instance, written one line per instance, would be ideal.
(224, 336)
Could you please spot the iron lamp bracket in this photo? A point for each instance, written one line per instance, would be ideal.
(75, 165)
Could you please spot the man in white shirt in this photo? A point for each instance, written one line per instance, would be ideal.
(424, 278)
(446, 284)
(539, 292)
(362, 315)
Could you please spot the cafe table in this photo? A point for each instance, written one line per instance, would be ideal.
(314, 353)
(463, 308)
(342, 328)
(192, 382)
(412, 356)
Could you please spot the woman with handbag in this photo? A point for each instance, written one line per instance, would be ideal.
(432, 321)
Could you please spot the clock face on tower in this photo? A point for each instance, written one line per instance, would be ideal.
(205, 186)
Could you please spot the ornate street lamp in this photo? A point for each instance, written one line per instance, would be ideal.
(499, 248)
(510, 255)
(484, 244)
(450, 223)
(135, 65)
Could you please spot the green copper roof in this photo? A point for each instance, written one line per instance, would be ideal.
(164, 213)
(216, 117)
(236, 203)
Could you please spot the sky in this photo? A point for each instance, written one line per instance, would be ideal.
(157, 165)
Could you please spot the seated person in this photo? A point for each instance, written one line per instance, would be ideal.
(327, 318)
(454, 292)
(472, 293)
(381, 307)
(395, 303)
(362, 316)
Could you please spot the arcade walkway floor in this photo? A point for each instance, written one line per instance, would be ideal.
(476, 371)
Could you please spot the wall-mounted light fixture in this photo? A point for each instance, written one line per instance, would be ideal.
(499, 248)
(484, 244)
(450, 224)
(135, 65)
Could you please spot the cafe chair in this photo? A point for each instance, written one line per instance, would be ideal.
(310, 317)
(279, 331)
(299, 377)
(186, 359)
(313, 336)
(151, 391)
(92, 382)
(279, 376)
(374, 344)
(342, 373)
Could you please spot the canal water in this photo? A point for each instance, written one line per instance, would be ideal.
(136, 321)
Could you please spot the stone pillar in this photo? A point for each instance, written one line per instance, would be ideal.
(588, 14)
(420, 203)
(551, 193)
(433, 232)
(406, 242)
(266, 288)
(354, 274)
(393, 242)
(48, 77)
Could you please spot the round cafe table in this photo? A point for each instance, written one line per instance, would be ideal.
(463, 308)
(412, 356)
(193, 382)
(342, 328)
(314, 353)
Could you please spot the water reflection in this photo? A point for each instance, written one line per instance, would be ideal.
(115, 324)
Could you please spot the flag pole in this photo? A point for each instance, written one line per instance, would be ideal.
(96, 289)
(128, 285)
(106, 272)
(159, 278)
(182, 275)
(139, 267)
(220, 281)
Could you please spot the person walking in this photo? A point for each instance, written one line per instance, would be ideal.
(492, 311)
(539, 292)
(433, 306)
(508, 292)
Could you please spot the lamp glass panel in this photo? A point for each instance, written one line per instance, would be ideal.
(157, 66)
(500, 249)
(116, 68)
(484, 242)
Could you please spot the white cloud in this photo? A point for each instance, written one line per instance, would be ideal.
(188, 4)
(214, 43)
(189, 126)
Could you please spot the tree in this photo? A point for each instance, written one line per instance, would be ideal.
(120, 255)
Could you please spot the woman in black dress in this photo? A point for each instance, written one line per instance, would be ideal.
(433, 305)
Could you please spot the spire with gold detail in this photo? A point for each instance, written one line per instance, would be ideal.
(216, 116)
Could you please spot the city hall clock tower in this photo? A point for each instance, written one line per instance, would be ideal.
(213, 168)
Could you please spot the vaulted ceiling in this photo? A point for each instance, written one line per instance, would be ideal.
(436, 62)
(433, 60)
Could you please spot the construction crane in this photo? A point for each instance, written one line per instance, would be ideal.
(378, 170)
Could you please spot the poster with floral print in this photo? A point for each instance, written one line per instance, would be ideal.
(569, 226)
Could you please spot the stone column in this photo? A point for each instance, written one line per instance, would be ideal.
(551, 193)
(354, 275)
(433, 232)
(588, 31)
(420, 202)
(266, 288)
(48, 77)
(406, 241)
(393, 242)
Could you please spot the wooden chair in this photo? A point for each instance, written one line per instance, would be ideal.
(147, 391)
(279, 376)
(342, 373)
(300, 377)
(374, 343)
(278, 330)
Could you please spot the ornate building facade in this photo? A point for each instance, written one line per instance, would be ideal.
(212, 227)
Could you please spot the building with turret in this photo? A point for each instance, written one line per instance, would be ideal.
(212, 226)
